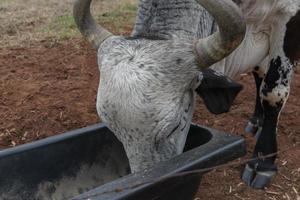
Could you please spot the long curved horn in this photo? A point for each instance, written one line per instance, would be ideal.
(231, 32)
(94, 33)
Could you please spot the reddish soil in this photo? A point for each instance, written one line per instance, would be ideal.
(49, 88)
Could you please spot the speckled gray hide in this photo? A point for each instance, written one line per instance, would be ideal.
(146, 96)
(146, 91)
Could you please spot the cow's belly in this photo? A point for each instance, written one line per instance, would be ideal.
(249, 54)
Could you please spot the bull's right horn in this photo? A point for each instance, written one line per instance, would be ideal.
(94, 33)
(231, 32)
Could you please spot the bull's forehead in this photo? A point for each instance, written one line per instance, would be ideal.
(140, 76)
(165, 56)
(157, 68)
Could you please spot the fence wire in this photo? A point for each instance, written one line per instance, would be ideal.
(193, 172)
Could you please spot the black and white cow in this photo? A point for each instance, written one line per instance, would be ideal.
(148, 81)
(270, 50)
(273, 77)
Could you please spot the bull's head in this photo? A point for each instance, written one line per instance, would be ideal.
(146, 91)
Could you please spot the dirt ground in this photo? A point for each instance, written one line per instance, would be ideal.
(50, 87)
(49, 80)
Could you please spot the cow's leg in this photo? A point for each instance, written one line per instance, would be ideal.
(274, 93)
(255, 123)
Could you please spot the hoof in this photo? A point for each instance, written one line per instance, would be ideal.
(251, 128)
(257, 179)
(262, 179)
(258, 133)
(248, 175)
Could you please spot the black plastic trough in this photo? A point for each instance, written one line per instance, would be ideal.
(64, 166)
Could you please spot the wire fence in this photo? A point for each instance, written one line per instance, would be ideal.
(238, 163)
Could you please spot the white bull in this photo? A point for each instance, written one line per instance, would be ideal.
(148, 81)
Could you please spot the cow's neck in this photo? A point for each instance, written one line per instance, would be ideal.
(172, 19)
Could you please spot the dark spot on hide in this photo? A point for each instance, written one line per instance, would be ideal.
(132, 37)
(256, 68)
(238, 2)
(217, 91)
(145, 36)
(291, 41)
(130, 137)
(183, 127)
(154, 4)
(186, 110)
(131, 58)
(272, 76)
(141, 66)
(137, 73)
(178, 61)
(174, 129)
(156, 75)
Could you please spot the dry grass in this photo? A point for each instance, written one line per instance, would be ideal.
(23, 22)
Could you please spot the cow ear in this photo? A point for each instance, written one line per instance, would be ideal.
(291, 40)
(217, 91)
